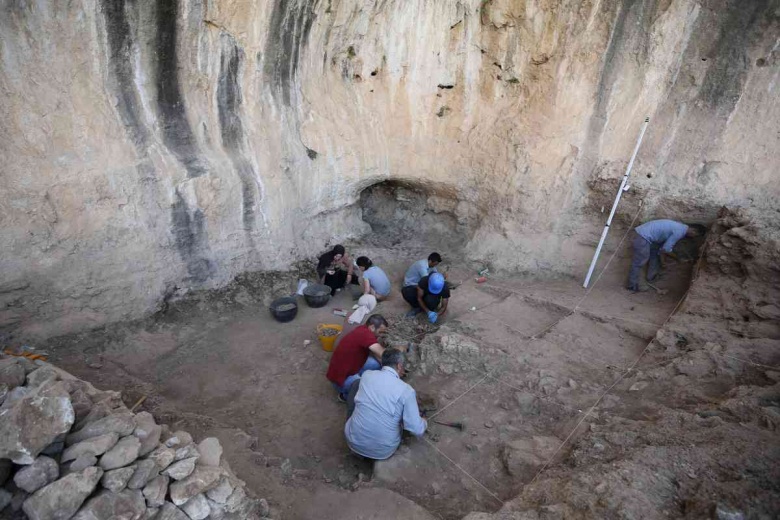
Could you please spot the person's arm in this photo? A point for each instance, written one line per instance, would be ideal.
(347, 260)
(413, 423)
(444, 302)
(376, 350)
(420, 296)
(366, 286)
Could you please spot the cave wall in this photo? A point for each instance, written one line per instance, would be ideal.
(153, 147)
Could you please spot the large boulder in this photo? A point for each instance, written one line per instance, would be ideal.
(61, 499)
(34, 421)
(201, 480)
(125, 505)
(210, 451)
(42, 471)
(95, 446)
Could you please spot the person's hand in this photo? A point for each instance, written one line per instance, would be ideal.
(349, 278)
(432, 316)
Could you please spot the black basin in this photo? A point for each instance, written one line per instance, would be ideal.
(284, 309)
(316, 295)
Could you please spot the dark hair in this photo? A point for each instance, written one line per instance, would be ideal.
(392, 357)
(327, 259)
(377, 320)
(364, 261)
(700, 229)
(434, 257)
(338, 250)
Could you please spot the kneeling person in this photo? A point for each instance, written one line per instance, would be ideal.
(356, 353)
(374, 280)
(431, 296)
(384, 406)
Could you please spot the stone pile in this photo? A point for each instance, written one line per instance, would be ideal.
(68, 450)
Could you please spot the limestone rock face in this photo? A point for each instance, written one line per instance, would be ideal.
(512, 121)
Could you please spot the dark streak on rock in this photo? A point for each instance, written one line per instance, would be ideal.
(288, 33)
(726, 73)
(177, 134)
(229, 105)
(189, 232)
(120, 63)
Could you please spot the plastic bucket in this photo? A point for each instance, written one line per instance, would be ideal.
(328, 342)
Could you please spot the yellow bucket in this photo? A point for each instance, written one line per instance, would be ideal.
(328, 341)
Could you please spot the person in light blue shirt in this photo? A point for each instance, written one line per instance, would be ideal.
(384, 406)
(375, 282)
(653, 239)
(420, 269)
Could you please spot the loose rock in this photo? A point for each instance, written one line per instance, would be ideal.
(170, 512)
(155, 491)
(41, 375)
(62, 498)
(11, 373)
(200, 481)
(221, 493)
(210, 451)
(95, 446)
(84, 461)
(125, 505)
(197, 508)
(121, 424)
(181, 469)
(162, 457)
(123, 453)
(145, 471)
(33, 477)
(179, 438)
(187, 452)
(116, 480)
(147, 431)
(5, 499)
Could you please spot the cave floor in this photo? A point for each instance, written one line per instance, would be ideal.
(229, 370)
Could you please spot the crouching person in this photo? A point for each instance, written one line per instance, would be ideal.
(384, 406)
(356, 353)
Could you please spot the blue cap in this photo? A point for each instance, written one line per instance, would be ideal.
(436, 283)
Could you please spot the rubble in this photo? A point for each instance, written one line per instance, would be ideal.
(110, 463)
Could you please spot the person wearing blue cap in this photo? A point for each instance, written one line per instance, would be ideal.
(432, 297)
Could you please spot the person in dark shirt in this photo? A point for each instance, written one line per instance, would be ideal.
(430, 296)
(335, 268)
(356, 353)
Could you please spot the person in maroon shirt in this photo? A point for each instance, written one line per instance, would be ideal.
(357, 352)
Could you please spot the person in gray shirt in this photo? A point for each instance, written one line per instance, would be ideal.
(384, 406)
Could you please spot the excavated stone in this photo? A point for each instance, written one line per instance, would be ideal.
(84, 461)
(61, 499)
(123, 453)
(186, 452)
(41, 375)
(170, 512)
(95, 446)
(55, 448)
(201, 480)
(181, 469)
(179, 438)
(116, 479)
(3, 392)
(14, 396)
(210, 451)
(11, 373)
(98, 411)
(222, 492)
(42, 471)
(81, 403)
(145, 471)
(147, 431)
(107, 505)
(34, 422)
(527, 455)
(151, 513)
(5, 498)
(162, 457)
(155, 491)
(197, 508)
(121, 424)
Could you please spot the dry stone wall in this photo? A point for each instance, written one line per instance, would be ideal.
(153, 147)
(68, 450)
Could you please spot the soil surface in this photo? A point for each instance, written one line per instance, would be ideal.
(515, 358)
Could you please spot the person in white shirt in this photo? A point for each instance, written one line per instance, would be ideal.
(384, 406)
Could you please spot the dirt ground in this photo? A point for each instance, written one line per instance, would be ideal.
(517, 358)
(218, 364)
